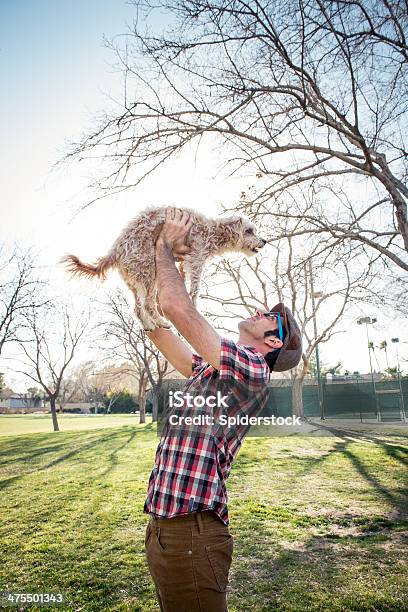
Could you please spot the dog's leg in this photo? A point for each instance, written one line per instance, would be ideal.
(140, 308)
(194, 268)
(182, 271)
(151, 307)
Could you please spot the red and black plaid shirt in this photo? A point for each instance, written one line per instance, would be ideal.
(192, 465)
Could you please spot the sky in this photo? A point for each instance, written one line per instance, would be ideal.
(56, 74)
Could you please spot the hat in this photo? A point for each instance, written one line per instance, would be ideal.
(290, 354)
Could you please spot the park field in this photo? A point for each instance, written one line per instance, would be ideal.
(17, 424)
(319, 523)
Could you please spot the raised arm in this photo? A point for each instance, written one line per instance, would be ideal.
(174, 299)
(174, 350)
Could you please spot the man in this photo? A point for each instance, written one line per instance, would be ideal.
(188, 544)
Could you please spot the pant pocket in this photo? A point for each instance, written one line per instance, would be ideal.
(173, 544)
(148, 533)
(220, 558)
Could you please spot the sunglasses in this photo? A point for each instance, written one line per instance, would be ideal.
(277, 316)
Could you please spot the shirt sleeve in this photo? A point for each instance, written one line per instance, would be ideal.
(243, 364)
(196, 364)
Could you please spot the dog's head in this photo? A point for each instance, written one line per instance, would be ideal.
(241, 235)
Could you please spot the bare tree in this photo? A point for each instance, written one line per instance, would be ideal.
(52, 336)
(120, 331)
(84, 375)
(68, 391)
(241, 286)
(19, 291)
(97, 386)
(83, 383)
(307, 95)
(106, 386)
(113, 395)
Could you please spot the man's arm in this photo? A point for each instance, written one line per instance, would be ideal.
(173, 349)
(178, 307)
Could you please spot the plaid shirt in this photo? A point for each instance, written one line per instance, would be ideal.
(192, 464)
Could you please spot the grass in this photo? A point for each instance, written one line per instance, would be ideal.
(13, 425)
(319, 524)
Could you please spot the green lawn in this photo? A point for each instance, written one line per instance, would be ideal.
(17, 424)
(319, 523)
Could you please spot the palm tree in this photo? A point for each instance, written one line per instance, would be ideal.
(383, 346)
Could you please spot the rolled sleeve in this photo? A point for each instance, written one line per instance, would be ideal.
(197, 363)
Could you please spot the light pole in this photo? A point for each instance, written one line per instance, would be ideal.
(396, 342)
(369, 321)
(319, 378)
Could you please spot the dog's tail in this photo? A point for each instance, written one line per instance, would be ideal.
(77, 268)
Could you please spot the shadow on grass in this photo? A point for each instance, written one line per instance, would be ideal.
(113, 456)
(323, 573)
(399, 453)
(354, 563)
(96, 440)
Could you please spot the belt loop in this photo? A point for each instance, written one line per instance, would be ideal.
(200, 522)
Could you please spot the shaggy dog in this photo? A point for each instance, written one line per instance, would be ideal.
(133, 256)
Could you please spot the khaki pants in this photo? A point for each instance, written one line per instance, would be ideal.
(189, 558)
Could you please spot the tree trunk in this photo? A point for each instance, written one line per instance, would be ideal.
(155, 402)
(111, 402)
(141, 400)
(297, 388)
(54, 413)
(297, 397)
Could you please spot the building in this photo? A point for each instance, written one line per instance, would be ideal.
(20, 403)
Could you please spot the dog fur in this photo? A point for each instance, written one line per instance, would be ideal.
(133, 256)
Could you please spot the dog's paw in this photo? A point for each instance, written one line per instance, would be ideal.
(149, 328)
(159, 324)
(164, 325)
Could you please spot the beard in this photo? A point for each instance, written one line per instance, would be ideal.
(246, 326)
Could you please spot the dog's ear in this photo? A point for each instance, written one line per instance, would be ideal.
(233, 223)
(238, 221)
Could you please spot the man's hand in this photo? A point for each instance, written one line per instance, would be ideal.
(175, 230)
(175, 302)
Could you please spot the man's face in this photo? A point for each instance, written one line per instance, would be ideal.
(257, 325)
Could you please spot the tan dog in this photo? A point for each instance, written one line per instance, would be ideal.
(133, 255)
